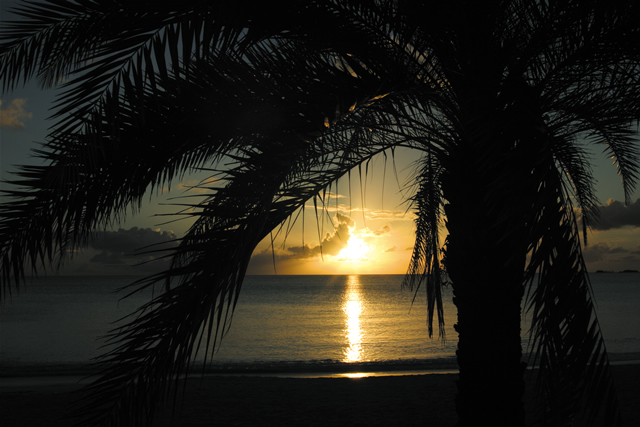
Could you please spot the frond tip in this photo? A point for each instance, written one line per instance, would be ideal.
(425, 266)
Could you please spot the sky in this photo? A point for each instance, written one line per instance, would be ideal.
(373, 223)
(370, 221)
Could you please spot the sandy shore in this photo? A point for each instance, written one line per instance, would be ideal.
(404, 400)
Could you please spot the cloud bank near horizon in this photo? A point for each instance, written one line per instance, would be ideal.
(616, 215)
(119, 247)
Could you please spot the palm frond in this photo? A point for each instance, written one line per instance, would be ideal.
(567, 345)
(88, 46)
(148, 135)
(425, 260)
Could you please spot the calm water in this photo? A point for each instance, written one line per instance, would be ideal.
(280, 320)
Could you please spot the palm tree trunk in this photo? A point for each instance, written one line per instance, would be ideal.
(490, 385)
(485, 261)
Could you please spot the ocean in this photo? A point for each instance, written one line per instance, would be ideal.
(295, 323)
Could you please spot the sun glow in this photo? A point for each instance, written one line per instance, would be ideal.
(356, 250)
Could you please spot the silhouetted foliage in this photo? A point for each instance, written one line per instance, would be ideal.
(499, 98)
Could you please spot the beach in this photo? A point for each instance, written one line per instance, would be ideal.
(404, 399)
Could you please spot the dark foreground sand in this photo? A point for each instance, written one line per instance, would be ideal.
(407, 400)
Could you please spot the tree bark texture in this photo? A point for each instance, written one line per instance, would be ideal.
(489, 193)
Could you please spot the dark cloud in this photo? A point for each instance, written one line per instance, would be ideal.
(109, 258)
(119, 246)
(600, 251)
(616, 215)
(305, 251)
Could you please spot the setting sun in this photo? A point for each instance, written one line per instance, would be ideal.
(377, 248)
(356, 250)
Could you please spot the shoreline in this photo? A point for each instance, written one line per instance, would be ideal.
(393, 398)
(316, 367)
(313, 369)
(23, 381)
(70, 382)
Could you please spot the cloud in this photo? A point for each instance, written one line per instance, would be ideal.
(369, 214)
(329, 202)
(332, 243)
(330, 196)
(344, 219)
(116, 247)
(389, 215)
(305, 251)
(193, 186)
(366, 232)
(383, 230)
(616, 215)
(393, 249)
(600, 251)
(109, 258)
(12, 116)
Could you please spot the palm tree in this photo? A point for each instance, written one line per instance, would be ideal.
(499, 99)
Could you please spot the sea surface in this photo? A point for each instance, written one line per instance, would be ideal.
(293, 323)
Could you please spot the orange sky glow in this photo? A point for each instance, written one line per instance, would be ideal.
(364, 227)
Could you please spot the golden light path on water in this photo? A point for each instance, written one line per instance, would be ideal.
(353, 307)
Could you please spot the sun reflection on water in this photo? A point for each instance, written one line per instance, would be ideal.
(353, 307)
